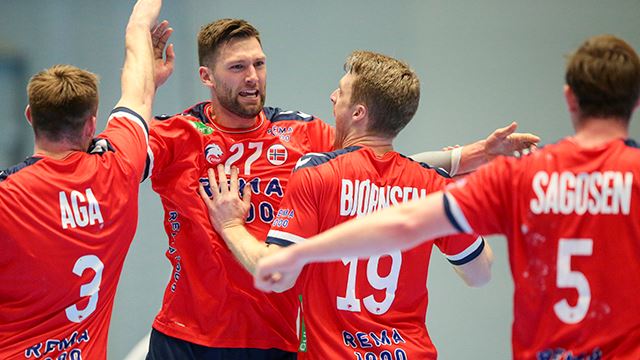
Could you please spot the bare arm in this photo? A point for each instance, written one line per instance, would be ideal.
(477, 272)
(227, 213)
(465, 159)
(396, 228)
(137, 80)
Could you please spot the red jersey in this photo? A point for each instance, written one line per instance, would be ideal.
(66, 227)
(373, 308)
(571, 218)
(210, 299)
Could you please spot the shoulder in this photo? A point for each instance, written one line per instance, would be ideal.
(193, 118)
(439, 171)
(5, 173)
(274, 114)
(315, 159)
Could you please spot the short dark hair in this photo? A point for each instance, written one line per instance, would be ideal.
(604, 74)
(389, 89)
(61, 99)
(217, 33)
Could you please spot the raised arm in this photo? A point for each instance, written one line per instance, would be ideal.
(465, 159)
(137, 80)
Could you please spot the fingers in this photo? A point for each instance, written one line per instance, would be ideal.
(246, 195)
(233, 185)
(170, 56)
(203, 194)
(222, 180)
(212, 183)
(506, 131)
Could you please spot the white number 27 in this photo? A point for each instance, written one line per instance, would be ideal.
(573, 279)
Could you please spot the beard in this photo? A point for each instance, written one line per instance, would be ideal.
(229, 100)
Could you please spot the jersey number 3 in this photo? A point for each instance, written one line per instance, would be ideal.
(573, 279)
(90, 289)
(388, 283)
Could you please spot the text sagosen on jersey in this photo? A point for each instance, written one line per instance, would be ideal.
(607, 192)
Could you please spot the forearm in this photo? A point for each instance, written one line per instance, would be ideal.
(244, 246)
(473, 156)
(137, 79)
(448, 160)
(396, 228)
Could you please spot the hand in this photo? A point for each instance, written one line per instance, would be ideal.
(226, 208)
(278, 271)
(163, 58)
(504, 141)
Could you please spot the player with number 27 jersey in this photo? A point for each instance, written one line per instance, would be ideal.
(76, 222)
(571, 218)
(210, 299)
(373, 308)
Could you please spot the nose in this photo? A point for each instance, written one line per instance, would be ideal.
(333, 97)
(252, 75)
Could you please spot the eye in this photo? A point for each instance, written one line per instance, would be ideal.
(237, 67)
(259, 63)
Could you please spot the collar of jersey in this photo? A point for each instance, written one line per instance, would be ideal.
(214, 124)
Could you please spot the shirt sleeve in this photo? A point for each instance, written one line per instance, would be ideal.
(321, 136)
(483, 202)
(297, 218)
(461, 249)
(128, 133)
(166, 139)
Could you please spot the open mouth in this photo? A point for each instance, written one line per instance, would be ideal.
(250, 93)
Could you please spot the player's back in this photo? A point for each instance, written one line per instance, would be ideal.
(574, 244)
(66, 226)
(581, 239)
(373, 308)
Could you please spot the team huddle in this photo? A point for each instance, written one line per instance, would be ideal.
(290, 238)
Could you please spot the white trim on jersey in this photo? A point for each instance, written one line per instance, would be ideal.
(466, 252)
(457, 213)
(135, 119)
(149, 171)
(456, 155)
(285, 236)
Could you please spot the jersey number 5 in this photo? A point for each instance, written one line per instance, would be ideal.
(388, 283)
(573, 279)
(90, 289)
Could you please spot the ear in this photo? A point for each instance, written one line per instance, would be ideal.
(27, 114)
(206, 76)
(572, 101)
(89, 130)
(359, 114)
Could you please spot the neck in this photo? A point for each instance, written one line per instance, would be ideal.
(379, 145)
(593, 132)
(228, 119)
(54, 149)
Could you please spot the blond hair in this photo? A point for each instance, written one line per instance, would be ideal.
(389, 89)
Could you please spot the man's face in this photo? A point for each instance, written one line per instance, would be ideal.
(239, 77)
(342, 108)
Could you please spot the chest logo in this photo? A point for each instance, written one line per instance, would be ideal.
(277, 154)
(213, 153)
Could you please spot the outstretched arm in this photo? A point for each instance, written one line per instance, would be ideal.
(396, 228)
(462, 160)
(227, 213)
(137, 80)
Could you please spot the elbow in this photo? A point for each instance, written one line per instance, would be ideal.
(479, 280)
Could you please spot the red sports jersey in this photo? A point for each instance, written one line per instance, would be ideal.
(210, 299)
(66, 227)
(367, 309)
(571, 218)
